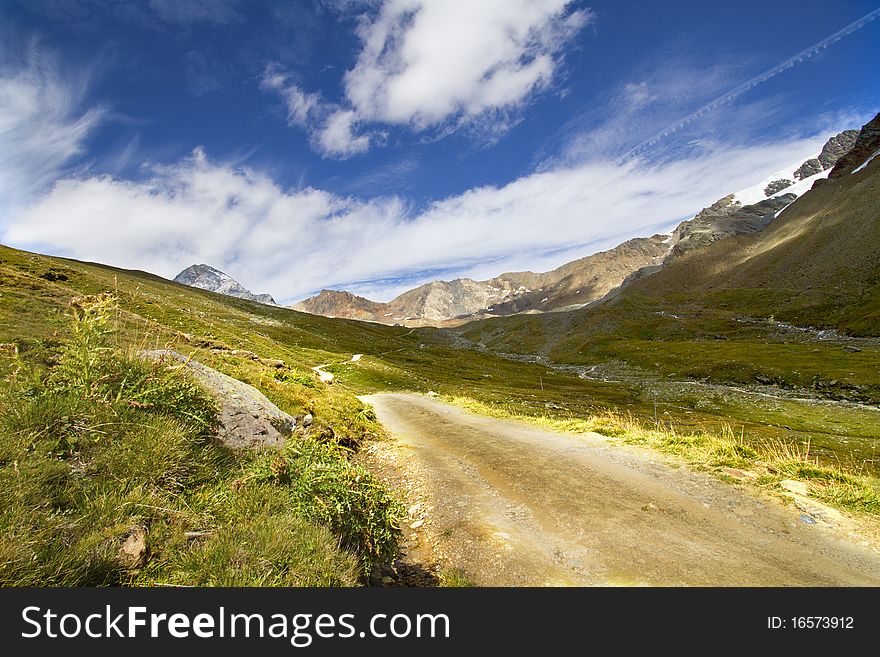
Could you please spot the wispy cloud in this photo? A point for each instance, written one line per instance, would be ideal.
(753, 82)
(42, 126)
(293, 242)
(437, 64)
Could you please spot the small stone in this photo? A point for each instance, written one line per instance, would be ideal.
(307, 420)
(417, 524)
(739, 474)
(649, 507)
(387, 580)
(431, 393)
(796, 487)
(807, 520)
(414, 509)
(133, 553)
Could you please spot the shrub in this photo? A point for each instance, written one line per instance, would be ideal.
(326, 487)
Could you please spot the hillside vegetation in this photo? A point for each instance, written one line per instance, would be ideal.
(735, 356)
(109, 474)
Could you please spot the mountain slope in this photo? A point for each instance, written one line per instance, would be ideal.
(785, 306)
(818, 263)
(205, 277)
(583, 281)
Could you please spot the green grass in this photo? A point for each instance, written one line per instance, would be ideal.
(82, 439)
(99, 444)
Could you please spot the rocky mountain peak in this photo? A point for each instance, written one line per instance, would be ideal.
(208, 278)
(583, 281)
(866, 145)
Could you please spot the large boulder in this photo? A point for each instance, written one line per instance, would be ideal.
(248, 420)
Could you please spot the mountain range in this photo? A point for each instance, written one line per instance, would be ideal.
(581, 282)
(812, 272)
(578, 283)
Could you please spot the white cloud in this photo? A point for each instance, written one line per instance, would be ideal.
(41, 127)
(291, 243)
(302, 108)
(337, 136)
(330, 127)
(439, 63)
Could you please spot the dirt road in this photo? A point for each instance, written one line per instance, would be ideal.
(509, 504)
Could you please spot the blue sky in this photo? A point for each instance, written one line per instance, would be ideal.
(373, 145)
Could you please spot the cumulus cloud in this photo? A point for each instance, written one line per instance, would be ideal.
(331, 128)
(41, 126)
(438, 64)
(291, 243)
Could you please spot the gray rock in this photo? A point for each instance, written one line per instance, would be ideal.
(206, 277)
(725, 218)
(777, 186)
(809, 168)
(133, 553)
(247, 418)
(836, 147)
(866, 144)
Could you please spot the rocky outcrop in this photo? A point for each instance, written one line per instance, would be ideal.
(837, 147)
(248, 420)
(808, 169)
(206, 277)
(866, 145)
(725, 218)
(777, 186)
(834, 149)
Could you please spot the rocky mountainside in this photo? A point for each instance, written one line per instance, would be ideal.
(207, 278)
(817, 264)
(573, 285)
(865, 149)
(338, 303)
(583, 281)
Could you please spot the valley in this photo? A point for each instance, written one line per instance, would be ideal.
(742, 374)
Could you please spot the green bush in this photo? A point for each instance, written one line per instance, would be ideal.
(326, 487)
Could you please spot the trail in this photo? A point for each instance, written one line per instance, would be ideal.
(510, 504)
(325, 377)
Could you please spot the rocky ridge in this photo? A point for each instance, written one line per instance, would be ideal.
(583, 281)
(206, 277)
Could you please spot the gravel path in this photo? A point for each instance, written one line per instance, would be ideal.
(511, 505)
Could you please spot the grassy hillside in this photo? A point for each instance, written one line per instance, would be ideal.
(790, 313)
(94, 465)
(635, 354)
(108, 474)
